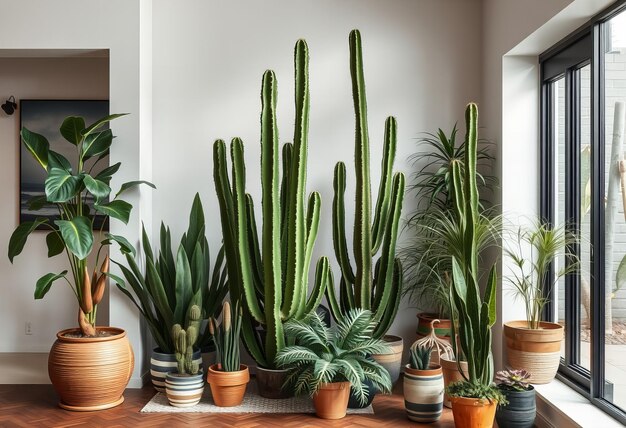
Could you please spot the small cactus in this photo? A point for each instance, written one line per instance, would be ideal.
(184, 341)
(420, 357)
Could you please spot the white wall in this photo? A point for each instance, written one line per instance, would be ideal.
(115, 25)
(209, 57)
(36, 78)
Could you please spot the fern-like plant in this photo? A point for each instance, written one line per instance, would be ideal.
(419, 357)
(341, 354)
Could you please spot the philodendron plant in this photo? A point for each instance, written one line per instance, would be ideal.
(68, 188)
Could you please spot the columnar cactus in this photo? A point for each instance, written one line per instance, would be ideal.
(375, 287)
(270, 280)
(185, 339)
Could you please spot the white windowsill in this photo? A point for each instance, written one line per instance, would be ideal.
(558, 405)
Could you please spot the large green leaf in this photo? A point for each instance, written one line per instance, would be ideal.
(100, 122)
(37, 145)
(125, 246)
(106, 174)
(129, 185)
(117, 209)
(37, 202)
(20, 235)
(57, 160)
(45, 282)
(96, 187)
(97, 143)
(72, 128)
(78, 235)
(55, 243)
(61, 185)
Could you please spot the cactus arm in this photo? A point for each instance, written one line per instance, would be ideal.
(251, 340)
(239, 195)
(346, 295)
(253, 244)
(323, 279)
(385, 276)
(471, 187)
(362, 238)
(294, 286)
(183, 284)
(284, 203)
(312, 228)
(339, 222)
(394, 301)
(331, 298)
(381, 212)
(272, 271)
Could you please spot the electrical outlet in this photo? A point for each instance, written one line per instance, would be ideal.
(28, 328)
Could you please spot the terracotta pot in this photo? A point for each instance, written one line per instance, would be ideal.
(423, 393)
(184, 390)
(331, 401)
(393, 360)
(270, 383)
(521, 410)
(442, 329)
(91, 373)
(473, 412)
(161, 364)
(537, 351)
(228, 388)
(451, 374)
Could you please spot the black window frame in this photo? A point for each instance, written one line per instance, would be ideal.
(584, 46)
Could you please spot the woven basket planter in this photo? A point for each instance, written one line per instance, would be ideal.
(538, 351)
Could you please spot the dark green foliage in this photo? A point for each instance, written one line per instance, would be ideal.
(419, 357)
(469, 390)
(226, 338)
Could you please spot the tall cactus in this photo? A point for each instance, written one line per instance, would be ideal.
(185, 339)
(270, 280)
(374, 287)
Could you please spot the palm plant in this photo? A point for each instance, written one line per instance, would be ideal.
(536, 249)
(68, 188)
(325, 356)
(172, 285)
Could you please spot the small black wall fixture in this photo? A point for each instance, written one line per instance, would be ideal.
(9, 106)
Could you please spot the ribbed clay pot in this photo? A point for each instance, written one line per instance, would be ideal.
(521, 410)
(473, 412)
(91, 373)
(451, 374)
(228, 388)
(184, 390)
(423, 393)
(270, 383)
(161, 364)
(538, 351)
(392, 361)
(331, 401)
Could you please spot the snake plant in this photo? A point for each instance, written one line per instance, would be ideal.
(473, 316)
(226, 338)
(270, 278)
(374, 286)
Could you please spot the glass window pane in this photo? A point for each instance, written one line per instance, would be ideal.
(615, 220)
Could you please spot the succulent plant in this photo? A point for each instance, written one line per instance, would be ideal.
(226, 338)
(185, 339)
(513, 379)
(419, 357)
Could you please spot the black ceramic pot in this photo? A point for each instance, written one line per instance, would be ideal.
(521, 410)
(353, 402)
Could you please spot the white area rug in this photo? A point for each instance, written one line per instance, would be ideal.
(252, 403)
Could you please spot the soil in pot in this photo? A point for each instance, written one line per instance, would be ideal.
(451, 374)
(423, 393)
(270, 383)
(228, 388)
(392, 362)
(161, 364)
(91, 373)
(184, 390)
(473, 412)
(521, 410)
(331, 401)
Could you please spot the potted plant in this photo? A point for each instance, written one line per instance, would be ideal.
(474, 399)
(228, 378)
(171, 285)
(426, 257)
(522, 409)
(326, 363)
(375, 285)
(89, 366)
(269, 277)
(184, 387)
(423, 386)
(532, 344)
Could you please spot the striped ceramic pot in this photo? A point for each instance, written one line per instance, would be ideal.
(161, 364)
(423, 393)
(392, 361)
(184, 390)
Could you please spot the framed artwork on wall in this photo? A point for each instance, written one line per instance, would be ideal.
(45, 117)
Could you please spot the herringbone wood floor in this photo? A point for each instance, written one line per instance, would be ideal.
(34, 406)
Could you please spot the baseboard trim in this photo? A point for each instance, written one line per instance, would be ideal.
(138, 382)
